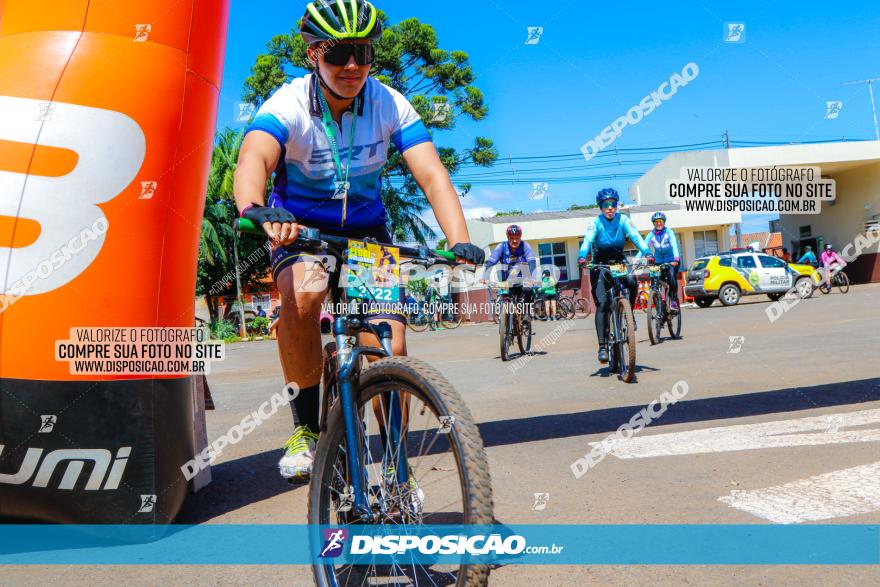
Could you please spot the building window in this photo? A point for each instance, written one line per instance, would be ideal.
(806, 231)
(554, 254)
(705, 243)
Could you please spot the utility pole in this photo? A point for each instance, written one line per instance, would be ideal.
(870, 83)
(726, 138)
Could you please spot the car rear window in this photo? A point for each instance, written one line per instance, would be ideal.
(699, 264)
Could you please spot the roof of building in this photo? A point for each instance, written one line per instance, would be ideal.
(513, 219)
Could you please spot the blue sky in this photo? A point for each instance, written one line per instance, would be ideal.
(594, 61)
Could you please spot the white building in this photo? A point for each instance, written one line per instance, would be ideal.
(556, 237)
(855, 166)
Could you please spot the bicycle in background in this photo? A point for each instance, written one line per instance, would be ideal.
(514, 319)
(838, 279)
(658, 308)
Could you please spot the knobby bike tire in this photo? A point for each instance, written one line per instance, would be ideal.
(654, 323)
(673, 323)
(627, 368)
(505, 332)
(524, 334)
(842, 282)
(464, 439)
(540, 308)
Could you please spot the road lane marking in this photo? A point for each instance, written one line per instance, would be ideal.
(811, 431)
(838, 494)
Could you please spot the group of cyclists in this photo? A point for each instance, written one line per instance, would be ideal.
(325, 138)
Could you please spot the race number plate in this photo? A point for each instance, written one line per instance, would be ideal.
(618, 270)
(373, 272)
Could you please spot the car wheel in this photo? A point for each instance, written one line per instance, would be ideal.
(804, 287)
(729, 295)
(704, 302)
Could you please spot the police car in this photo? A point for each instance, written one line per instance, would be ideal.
(740, 272)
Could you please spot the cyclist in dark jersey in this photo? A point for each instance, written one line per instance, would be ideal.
(325, 137)
(516, 259)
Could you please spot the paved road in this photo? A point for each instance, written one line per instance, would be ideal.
(811, 377)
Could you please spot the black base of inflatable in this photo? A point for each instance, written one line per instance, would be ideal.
(94, 452)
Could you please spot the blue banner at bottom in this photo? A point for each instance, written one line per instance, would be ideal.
(216, 544)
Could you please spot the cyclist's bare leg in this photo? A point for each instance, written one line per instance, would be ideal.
(303, 287)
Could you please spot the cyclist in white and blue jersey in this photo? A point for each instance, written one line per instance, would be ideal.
(665, 246)
(603, 242)
(325, 137)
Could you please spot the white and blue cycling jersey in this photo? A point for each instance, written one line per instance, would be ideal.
(306, 173)
(605, 239)
(664, 244)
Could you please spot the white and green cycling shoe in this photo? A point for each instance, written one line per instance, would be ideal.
(296, 464)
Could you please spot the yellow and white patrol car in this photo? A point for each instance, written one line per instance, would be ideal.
(740, 272)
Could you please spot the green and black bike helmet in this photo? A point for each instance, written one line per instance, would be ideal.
(340, 19)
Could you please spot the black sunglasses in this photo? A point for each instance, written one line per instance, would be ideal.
(340, 53)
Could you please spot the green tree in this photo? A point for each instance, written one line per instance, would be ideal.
(509, 213)
(438, 83)
(582, 207)
(216, 268)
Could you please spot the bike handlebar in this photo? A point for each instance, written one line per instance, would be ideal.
(312, 239)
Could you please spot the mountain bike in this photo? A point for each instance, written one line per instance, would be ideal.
(397, 444)
(658, 309)
(564, 307)
(437, 310)
(838, 278)
(581, 306)
(514, 320)
(621, 339)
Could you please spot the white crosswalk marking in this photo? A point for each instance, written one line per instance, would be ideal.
(833, 495)
(810, 431)
(837, 494)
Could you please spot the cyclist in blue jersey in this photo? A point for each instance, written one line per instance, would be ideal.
(517, 261)
(326, 136)
(665, 246)
(809, 257)
(603, 243)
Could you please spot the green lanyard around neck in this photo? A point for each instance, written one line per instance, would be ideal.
(330, 131)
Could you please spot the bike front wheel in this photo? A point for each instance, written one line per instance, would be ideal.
(673, 322)
(447, 479)
(626, 341)
(505, 331)
(524, 334)
(655, 317)
(842, 282)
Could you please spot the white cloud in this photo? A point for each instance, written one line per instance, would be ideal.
(479, 212)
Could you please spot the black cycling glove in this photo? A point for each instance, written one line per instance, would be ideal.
(260, 215)
(470, 253)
